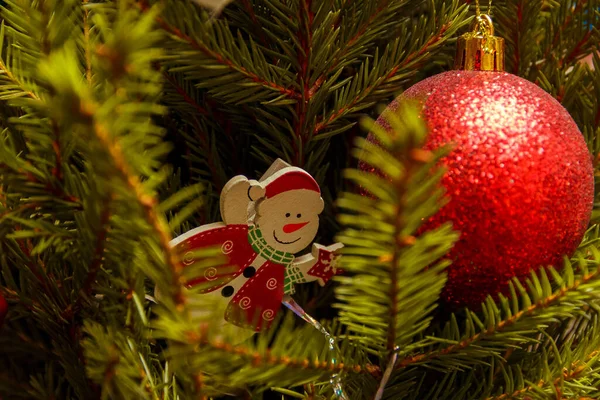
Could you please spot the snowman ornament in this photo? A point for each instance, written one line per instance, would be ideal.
(264, 225)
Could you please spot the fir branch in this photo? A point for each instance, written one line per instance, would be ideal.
(597, 122)
(57, 170)
(576, 369)
(36, 345)
(215, 174)
(71, 311)
(23, 390)
(121, 71)
(578, 51)
(263, 359)
(283, 356)
(396, 276)
(36, 36)
(149, 206)
(184, 95)
(305, 19)
(517, 38)
(402, 241)
(261, 35)
(198, 379)
(563, 27)
(205, 122)
(349, 45)
(13, 80)
(115, 364)
(538, 309)
(38, 270)
(219, 58)
(45, 45)
(48, 187)
(87, 43)
(19, 210)
(413, 60)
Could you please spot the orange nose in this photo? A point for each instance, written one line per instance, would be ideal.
(289, 228)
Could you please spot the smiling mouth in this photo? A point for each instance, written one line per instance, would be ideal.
(282, 242)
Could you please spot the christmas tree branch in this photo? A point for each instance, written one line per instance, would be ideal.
(349, 45)
(114, 362)
(578, 51)
(41, 276)
(198, 378)
(382, 253)
(184, 95)
(87, 43)
(210, 161)
(57, 170)
(518, 21)
(517, 39)
(395, 68)
(287, 355)
(96, 263)
(18, 210)
(543, 310)
(34, 37)
(575, 370)
(215, 56)
(305, 18)
(563, 27)
(48, 187)
(267, 358)
(402, 240)
(16, 88)
(9, 90)
(258, 26)
(149, 207)
(596, 126)
(36, 345)
(204, 124)
(120, 73)
(22, 390)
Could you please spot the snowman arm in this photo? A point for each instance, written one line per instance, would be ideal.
(297, 272)
(317, 263)
(303, 265)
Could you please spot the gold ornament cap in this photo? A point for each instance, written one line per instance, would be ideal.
(480, 50)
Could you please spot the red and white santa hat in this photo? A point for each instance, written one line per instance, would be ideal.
(290, 178)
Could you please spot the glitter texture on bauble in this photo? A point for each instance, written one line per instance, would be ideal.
(519, 177)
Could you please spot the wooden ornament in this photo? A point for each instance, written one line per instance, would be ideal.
(265, 223)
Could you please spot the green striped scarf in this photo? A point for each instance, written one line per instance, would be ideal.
(260, 246)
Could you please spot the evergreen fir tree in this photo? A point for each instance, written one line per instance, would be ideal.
(122, 121)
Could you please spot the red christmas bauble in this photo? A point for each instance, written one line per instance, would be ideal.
(519, 177)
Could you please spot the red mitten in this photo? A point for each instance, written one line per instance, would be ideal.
(326, 266)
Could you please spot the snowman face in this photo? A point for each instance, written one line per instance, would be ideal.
(290, 220)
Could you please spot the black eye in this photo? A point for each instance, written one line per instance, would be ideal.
(287, 215)
(299, 215)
